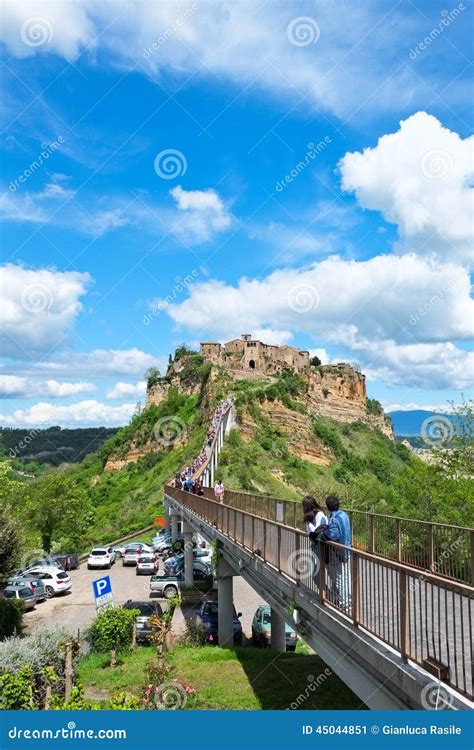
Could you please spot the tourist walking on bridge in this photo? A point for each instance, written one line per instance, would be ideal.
(219, 491)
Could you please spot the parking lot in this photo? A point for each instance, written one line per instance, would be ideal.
(75, 610)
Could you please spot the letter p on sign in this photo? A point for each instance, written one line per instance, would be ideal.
(102, 588)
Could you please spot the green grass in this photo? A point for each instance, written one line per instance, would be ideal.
(238, 678)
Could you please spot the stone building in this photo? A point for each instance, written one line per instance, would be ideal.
(247, 354)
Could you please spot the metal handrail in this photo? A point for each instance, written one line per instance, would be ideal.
(425, 617)
(425, 545)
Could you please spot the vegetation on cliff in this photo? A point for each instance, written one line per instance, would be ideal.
(118, 489)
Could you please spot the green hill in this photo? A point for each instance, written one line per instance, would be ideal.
(278, 448)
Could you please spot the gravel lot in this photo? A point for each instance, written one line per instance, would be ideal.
(76, 609)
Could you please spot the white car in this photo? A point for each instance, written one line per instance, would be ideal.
(101, 557)
(56, 580)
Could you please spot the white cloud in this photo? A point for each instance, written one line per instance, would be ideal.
(38, 308)
(102, 363)
(13, 386)
(341, 69)
(84, 413)
(340, 301)
(420, 178)
(418, 365)
(203, 214)
(39, 26)
(198, 216)
(395, 314)
(127, 390)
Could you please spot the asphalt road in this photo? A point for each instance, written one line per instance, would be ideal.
(75, 610)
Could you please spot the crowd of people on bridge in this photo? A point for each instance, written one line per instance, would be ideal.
(185, 479)
(322, 524)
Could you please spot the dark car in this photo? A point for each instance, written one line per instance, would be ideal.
(207, 616)
(147, 610)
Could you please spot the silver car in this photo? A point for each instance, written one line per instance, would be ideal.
(36, 586)
(133, 551)
(22, 593)
(147, 564)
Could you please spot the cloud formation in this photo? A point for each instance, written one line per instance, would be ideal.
(81, 414)
(421, 179)
(39, 308)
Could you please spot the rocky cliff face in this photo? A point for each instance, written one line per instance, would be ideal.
(295, 426)
(338, 392)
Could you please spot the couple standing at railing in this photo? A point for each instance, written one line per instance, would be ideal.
(335, 528)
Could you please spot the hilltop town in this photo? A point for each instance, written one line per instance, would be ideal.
(337, 391)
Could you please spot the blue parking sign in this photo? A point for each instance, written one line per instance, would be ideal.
(102, 588)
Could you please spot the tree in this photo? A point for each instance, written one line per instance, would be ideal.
(153, 376)
(10, 537)
(59, 510)
(315, 361)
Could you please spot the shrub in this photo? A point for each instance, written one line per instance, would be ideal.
(112, 629)
(11, 617)
(40, 650)
(195, 635)
(374, 407)
(16, 690)
(328, 434)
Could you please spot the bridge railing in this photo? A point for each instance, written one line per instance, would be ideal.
(442, 549)
(426, 618)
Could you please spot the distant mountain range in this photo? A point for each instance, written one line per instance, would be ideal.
(408, 423)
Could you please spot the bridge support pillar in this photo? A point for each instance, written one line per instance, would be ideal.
(278, 636)
(174, 524)
(167, 517)
(225, 603)
(188, 554)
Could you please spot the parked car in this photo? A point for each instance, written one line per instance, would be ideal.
(56, 580)
(169, 585)
(67, 560)
(43, 562)
(34, 584)
(175, 566)
(147, 610)
(262, 629)
(203, 554)
(147, 564)
(21, 592)
(133, 551)
(101, 557)
(167, 546)
(207, 616)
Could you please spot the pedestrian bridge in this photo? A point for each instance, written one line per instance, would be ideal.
(403, 636)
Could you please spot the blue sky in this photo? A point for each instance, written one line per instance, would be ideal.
(178, 172)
